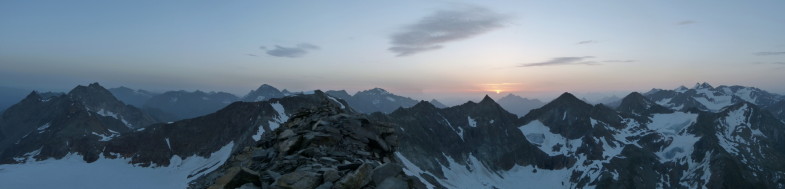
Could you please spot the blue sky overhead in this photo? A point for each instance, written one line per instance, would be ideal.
(417, 48)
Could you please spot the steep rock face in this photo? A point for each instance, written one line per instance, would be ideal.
(41, 127)
(241, 123)
(569, 116)
(636, 103)
(99, 100)
(519, 105)
(264, 92)
(739, 147)
(644, 146)
(778, 110)
(320, 147)
(435, 142)
(342, 94)
(183, 104)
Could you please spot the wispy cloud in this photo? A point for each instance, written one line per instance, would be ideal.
(619, 61)
(770, 53)
(443, 26)
(686, 22)
(780, 63)
(290, 52)
(586, 42)
(249, 54)
(563, 61)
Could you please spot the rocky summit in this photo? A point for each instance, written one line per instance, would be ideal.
(320, 147)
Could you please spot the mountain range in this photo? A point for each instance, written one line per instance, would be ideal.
(700, 137)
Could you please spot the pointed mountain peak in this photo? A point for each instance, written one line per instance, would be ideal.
(267, 87)
(703, 85)
(510, 95)
(424, 105)
(92, 88)
(93, 95)
(376, 91)
(95, 85)
(487, 99)
(569, 97)
(33, 96)
(264, 92)
(636, 103)
(570, 100)
(681, 89)
(634, 96)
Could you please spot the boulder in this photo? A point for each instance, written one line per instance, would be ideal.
(289, 145)
(356, 179)
(388, 170)
(392, 183)
(298, 180)
(243, 177)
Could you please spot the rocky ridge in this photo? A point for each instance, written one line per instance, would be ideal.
(320, 147)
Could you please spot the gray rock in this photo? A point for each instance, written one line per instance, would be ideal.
(415, 182)
(262, 154)
(388, 170)
(298, 180)
(331, 175)
(244, 176)
(356, 179)
(286, 134)
(392, 183)
(289, 145)
(326, 185)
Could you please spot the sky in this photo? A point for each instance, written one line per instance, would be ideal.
(423, 49)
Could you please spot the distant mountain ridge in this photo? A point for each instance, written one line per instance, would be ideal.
(519, 105)
(705, 97)
(132, 97)
(374, 100)
(565, 143)
(184, 104)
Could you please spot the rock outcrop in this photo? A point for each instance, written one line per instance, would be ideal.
(320, 147)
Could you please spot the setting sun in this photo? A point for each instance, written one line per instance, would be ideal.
(498, 91)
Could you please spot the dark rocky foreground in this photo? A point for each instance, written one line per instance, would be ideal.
(321, 147)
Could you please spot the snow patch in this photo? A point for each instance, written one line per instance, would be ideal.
(110, 173)
(105, 138)
(551, 143)
(474, 174)
(169, 144)
(106, 113)
(282, 117)
(412, 170)
(673, 127)
(390, 99)
(43, 127)
(472, 122)
(336, 101)
(459, 129)
(259, 132)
